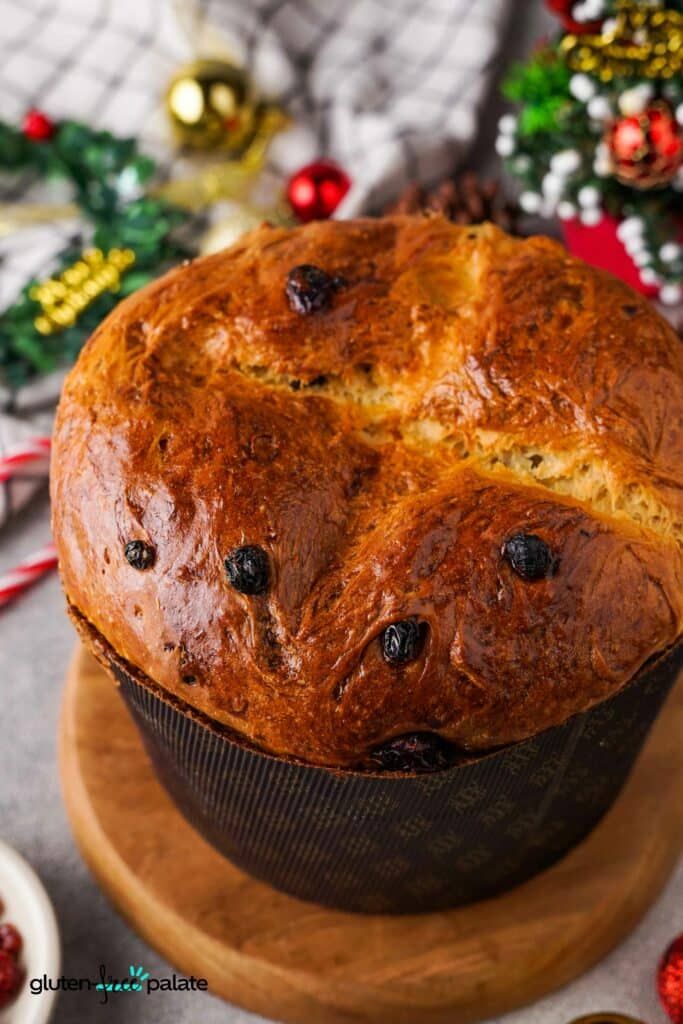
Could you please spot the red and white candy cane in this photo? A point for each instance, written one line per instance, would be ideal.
(27, 573)
(30, 456)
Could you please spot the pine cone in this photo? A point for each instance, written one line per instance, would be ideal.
(465, 200)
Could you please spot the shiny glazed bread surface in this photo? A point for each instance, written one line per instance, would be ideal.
(461, 387)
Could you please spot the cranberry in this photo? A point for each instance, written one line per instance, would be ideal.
(10, 940)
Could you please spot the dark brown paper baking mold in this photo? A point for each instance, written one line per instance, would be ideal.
(384, 843)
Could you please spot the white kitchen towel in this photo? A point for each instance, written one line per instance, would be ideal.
(388, 88)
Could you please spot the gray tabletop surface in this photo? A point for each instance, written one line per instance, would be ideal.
(36, 641)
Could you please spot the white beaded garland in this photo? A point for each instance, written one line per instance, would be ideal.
(634, 100)
(599, 108)
(591, 216)
(669, 252)
(552, 185)
(505, 145)
(566, 210)
(634, 244)
(581, 87)
(588, 10)
(507, 125)
(589, 196)
(630, 227)
(530, 202)
(602, 164)
(649, 276)
(565, 162)
(671, 294)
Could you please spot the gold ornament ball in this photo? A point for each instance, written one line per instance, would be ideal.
(211, 106)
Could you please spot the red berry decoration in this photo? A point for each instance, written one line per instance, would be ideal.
(563, 9)
(646, 148)
(10, 940)
(11, 978)
(670, 981)
(37, 126)
(315, 192)
(11, 974)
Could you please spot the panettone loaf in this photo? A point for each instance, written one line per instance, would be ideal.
(364, 479)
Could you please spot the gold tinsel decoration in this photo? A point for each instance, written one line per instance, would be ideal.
(228, 179)
(645, 42)
(15, 216)
(63, 298)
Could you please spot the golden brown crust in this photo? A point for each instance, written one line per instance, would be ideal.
(462, 387)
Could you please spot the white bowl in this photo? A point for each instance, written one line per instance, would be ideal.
(28, 907)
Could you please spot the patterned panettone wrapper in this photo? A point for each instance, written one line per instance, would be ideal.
(398, 843)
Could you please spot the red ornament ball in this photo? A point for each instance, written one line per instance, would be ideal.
(563, 9)
(315, 192)
(647, 148)
(37, 126)
(670, 981)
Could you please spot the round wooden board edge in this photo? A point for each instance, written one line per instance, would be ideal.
(565, 949)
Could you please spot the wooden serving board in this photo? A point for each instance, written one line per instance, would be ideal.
(300, 963)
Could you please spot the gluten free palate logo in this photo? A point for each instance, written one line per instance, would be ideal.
(106, 985)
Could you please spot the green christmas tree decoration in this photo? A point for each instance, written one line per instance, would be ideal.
(599, 128)
(108, 175)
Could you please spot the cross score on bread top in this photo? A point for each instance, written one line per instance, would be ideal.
(368, 479)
